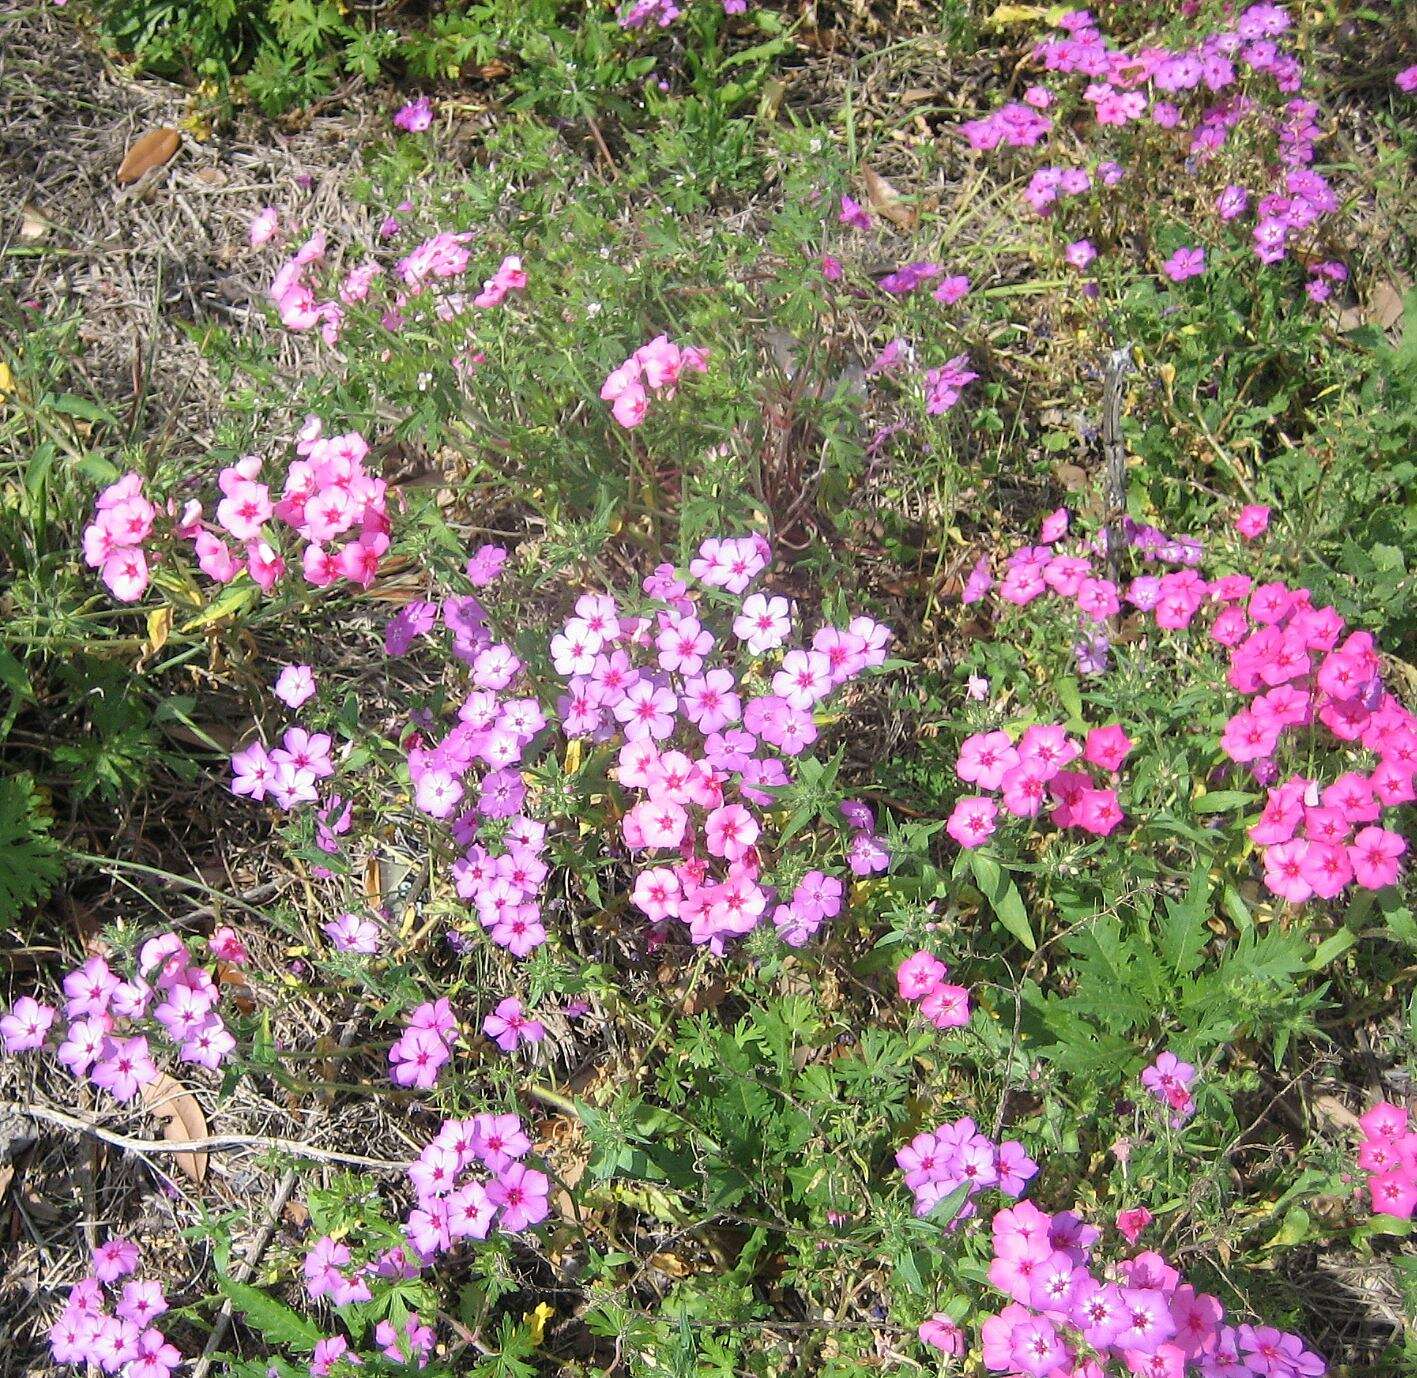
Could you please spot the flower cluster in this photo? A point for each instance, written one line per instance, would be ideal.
(1031, 771)
(122, 1341)
(110, 1019)
(921, 980)
(454, 1203)
(287, 774)
(688, 736)
(1198, 98)
(425, 278)
(1388, 1154)
(642, 14)
(1302, 674)
(329, 496)
(652, 368)
(1309, 681)
(1070, 1313)
(949, 1157)
(944, 385)
(425, 1046)
(467, 1181)
(113, 541)
(1169, 1080)
(1014, 125)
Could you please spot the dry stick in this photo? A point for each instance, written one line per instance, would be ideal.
(1114, 454)
(215, 1144)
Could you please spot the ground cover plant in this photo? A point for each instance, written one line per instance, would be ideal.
(727, 690)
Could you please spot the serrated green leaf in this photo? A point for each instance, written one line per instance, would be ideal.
(275, 1321)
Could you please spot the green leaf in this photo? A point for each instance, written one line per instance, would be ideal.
(998, 887)
(29, 859)
(947, 1207)
(1403, 925)
(1332, 948)
(1222, 801)
(1071, 699)
(85, 410)
(274, 1320)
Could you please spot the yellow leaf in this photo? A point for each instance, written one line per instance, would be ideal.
(7, 381)
(159, 625)
(1025, 14)
(538, 1319)
(573, 756)
(1016, 14)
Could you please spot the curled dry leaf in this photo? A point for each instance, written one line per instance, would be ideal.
(232, 979)
(887, 202)
(177, 1107)
(1335, 1112)
(151, 150)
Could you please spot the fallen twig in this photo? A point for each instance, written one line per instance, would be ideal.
(214, 1144)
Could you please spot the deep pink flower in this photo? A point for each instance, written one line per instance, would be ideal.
(1131, 1223)
(1253, 521)
(521, 1193)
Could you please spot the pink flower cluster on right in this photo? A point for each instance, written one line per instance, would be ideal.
(1029, 772)
(1073, 1313)
(1302, 673)
(1388, 1154)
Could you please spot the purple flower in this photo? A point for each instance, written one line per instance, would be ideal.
(1184, 263)
(485, 565)
(1091, 653)
(416, 116)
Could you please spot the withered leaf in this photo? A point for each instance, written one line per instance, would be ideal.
(182, 1119)
(670, 1264)
(887, 202)
(231, 978)
(150, 150)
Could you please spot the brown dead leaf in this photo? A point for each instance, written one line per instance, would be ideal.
(374, 881)
(151, 150)
(211, 176)
(887, 202)
(671, 1264)
(494, 70)
(1332, 1109)
(172, 1103)
(707, 997)
(230, 977)
(33, 225)
(1384, 307)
